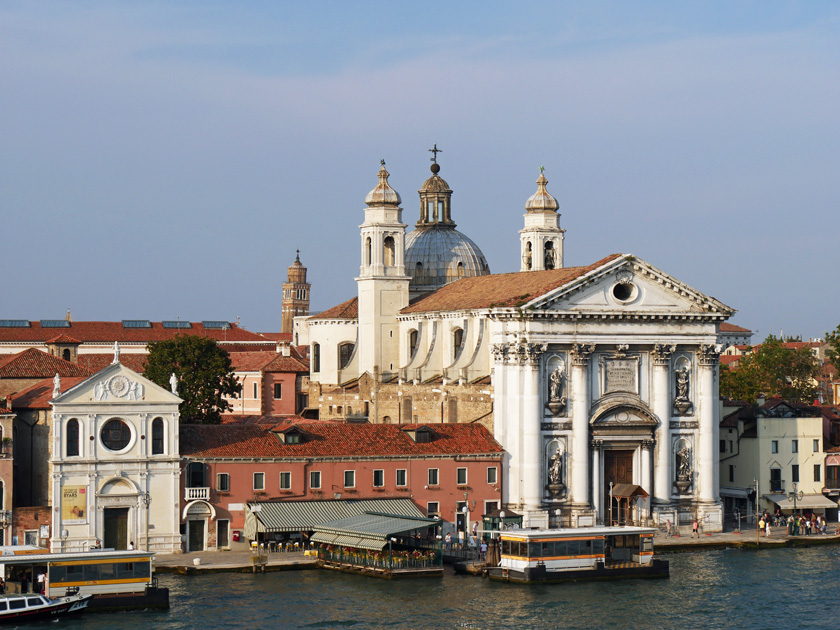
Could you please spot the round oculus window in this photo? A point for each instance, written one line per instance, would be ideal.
(116, 435)
(624, 291)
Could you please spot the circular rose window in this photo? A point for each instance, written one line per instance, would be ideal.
(116, 435)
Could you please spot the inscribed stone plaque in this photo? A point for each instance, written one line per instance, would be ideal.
(621, 376)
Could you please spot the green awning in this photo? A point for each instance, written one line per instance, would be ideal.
(349, 541)
(372, 530)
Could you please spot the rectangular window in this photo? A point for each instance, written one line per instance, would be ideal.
(722, 446)
(222, 534)
(259, 481)
(731, 450)
(492, 474)
(349, 478)
(774, 446)
(256, 390)
(832, 477)
(794, 473)
(378, 478)
(776, 480)
(402, 477)
(278, 391)
(433, 476)
(794, 446)
(490, 506)
(223, 482)
(461, 476)
(285, 481)
(315, 480)
(816, 446)
(731, 472)
(817, 472)
(432, 509)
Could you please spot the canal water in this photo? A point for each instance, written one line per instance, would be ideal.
(714, 589)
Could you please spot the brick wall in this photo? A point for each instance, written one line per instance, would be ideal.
(31, 518)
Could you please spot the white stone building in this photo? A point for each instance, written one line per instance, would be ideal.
(114, 464)
(603, 374)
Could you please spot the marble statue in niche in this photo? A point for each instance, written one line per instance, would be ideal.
(557, 388)
(554, 473)
(684, 468)
(682, 384)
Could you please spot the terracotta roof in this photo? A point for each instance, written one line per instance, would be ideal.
(500, 290)
(39, 395)
(345, 310)
(334, 440)
(63, 339)
(268, 362)
(728, 359)
(726, 327)
(109, 332)
(33, 363)
(276, 336)
(99, 361)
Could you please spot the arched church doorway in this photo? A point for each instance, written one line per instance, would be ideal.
(618, 469)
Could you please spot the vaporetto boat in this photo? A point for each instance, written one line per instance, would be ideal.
(586, 553)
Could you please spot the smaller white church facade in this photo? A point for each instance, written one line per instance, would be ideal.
(114, 464)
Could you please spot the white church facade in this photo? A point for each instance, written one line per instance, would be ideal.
(601, 382)
(114, 464)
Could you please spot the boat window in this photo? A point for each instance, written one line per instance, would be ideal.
(3, 605)
(34, 601)
(17, 603)
(598, 547)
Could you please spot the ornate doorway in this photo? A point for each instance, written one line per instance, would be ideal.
(115, 528)
(618, 468)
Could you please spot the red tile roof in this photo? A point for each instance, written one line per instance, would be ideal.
(109, 332)
(99, 361)
(728, 359)
(33, 363)
(501, 289)
(345, 310)
(63, 339)
(268, 362)
(277, 336)
(39, 395)
(334, 440)
(726, 327)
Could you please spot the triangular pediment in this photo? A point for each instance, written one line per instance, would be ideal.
(630, 287)
(117, 384)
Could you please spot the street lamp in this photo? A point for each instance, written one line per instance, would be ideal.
(794, 495)
(147, 499)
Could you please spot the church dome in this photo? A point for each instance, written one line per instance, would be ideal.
(438, 255)
(541, 201)
(383, 194)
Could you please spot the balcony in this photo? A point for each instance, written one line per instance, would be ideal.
(196, 494)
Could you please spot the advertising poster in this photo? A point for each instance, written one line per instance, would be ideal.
(74, 504)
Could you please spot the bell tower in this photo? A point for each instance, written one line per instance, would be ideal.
(541, 240)
(382, 282)
(295, 295)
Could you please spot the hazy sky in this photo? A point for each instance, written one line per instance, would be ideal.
(165, 159)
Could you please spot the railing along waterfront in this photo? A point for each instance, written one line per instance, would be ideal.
(395, 559)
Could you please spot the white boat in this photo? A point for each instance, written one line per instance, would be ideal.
(17, 609)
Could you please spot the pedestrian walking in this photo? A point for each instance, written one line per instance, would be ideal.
(761, 526)
(694, 529)
(668, 528)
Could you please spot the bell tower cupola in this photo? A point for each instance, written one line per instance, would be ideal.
(541, 240)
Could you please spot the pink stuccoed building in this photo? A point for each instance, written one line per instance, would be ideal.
(233, 469)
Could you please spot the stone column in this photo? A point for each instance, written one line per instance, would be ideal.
(597, 499)
(707, 446)
(579, 481)
(528, 358)
(500, 416)
(661, 356)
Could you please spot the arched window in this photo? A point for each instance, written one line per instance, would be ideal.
(457, 341)
(72, 437)
(389, 251)
(412, 342)
(528, 256)
(345, 352)
(65, 354)
(549, 255)
(316, 357)
(418, 272)
(367, 251)
(461, 270)
(157, 436)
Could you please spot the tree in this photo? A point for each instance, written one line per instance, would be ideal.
(773, 369)
(833, 339)
(204, 372)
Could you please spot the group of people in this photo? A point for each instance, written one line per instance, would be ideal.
(803, 524)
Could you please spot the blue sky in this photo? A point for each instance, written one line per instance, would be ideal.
(162, 160)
